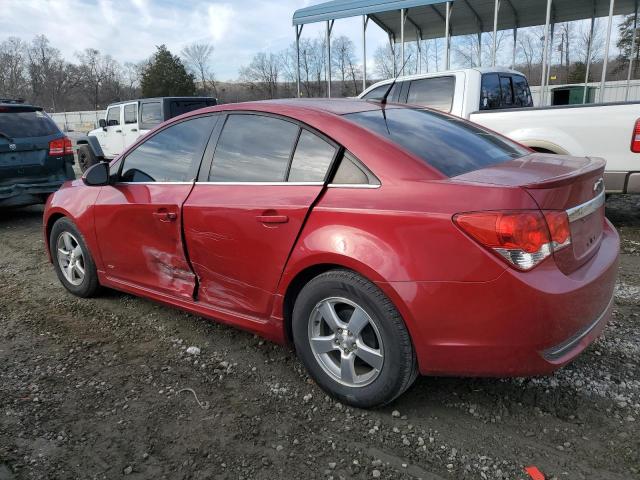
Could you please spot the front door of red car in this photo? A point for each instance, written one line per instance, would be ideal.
(242, 220)
(138, 218)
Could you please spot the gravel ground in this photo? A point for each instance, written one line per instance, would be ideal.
(108, 387)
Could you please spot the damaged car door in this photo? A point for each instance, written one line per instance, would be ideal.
(138, 217)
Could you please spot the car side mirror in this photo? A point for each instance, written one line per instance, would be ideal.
(97, 175)
(102, 122)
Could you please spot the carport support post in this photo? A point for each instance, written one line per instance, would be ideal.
(589, 47)
(496, 8)
(606, 51)
(402, 17)
(515, 47)
(329, 28)
(545, 53)
(447, 38)
(632, 53)
(479, 49)
(365, 19)
(298, 33)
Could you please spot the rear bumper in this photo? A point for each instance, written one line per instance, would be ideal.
(622, 182)
(27, 193)
(520, 324)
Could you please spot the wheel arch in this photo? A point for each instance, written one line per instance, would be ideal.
(48, 226)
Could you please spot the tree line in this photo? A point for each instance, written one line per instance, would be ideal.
(37, 71)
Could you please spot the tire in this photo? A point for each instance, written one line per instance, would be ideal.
(86, 157)
(367, 325)
(65, 237)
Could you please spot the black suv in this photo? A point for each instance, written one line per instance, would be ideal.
(35, 156)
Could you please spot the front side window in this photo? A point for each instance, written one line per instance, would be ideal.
(432, 92)
(311, 159)
(378, 92)
(450, 144)
(130, 114)
(253, 148)
(113, 116)
(150, 115)
(171, 155)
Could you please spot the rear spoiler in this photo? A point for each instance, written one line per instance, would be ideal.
(13, 107)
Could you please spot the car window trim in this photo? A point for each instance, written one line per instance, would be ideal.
(207, 162)
(147, 137)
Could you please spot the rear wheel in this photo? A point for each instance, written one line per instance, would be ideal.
(86, 157)
(72, 260)
(352, 339)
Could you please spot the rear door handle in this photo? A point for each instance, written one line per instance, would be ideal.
(272, 218)
(165, 216)
(133, 130)
(118, 131)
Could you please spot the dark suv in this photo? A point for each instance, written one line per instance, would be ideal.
(35, 156)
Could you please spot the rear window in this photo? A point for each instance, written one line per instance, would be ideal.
(447, 143)
(504, 91)
(26, 124)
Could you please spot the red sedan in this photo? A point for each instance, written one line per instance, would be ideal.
(382, 241)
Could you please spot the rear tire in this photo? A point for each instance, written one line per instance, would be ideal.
(352, 340)
(72, 260)
(86, 157)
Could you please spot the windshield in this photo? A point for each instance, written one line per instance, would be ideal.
(26, 124)
(451, 145)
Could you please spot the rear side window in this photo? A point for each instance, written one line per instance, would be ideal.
(130, 114)
(352, 172)
(432, 92)
(171, 155)
(26, 124)
(449, 144)
(311, 159)
(113, 116)
(150, 115)
(253, 148)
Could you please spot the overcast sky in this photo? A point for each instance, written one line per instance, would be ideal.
(129, 30)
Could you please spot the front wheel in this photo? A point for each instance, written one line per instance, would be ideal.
(72, 260)
(352, 340)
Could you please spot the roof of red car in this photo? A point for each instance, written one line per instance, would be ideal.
(337, 106)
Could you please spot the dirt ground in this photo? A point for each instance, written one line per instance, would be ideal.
(104, 388)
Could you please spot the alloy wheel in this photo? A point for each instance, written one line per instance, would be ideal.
(346, 342)
(70, 258)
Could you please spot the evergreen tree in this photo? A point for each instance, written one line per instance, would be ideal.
(165, 76)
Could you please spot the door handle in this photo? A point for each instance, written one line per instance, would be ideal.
(165, 216)
(272, 218)
(118, 131)
(133, 130)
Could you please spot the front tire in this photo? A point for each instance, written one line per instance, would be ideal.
(72, 260)
(352, 340)
(86, 157)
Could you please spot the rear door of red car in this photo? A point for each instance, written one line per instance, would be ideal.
(244, 214)
(138, 218)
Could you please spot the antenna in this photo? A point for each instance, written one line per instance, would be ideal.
(383, 101)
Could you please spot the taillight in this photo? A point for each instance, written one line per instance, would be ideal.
(522, 238)
(635, 137)
(60, 146)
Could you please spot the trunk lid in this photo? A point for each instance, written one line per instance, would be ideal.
(558, 182)
(27, 160)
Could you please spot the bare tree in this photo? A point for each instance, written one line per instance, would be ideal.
(13, 68)
(262, 73)
(197, 58)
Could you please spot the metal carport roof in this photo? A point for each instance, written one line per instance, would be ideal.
(467, 16)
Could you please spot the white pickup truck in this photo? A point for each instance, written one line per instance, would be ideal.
(500, 100)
